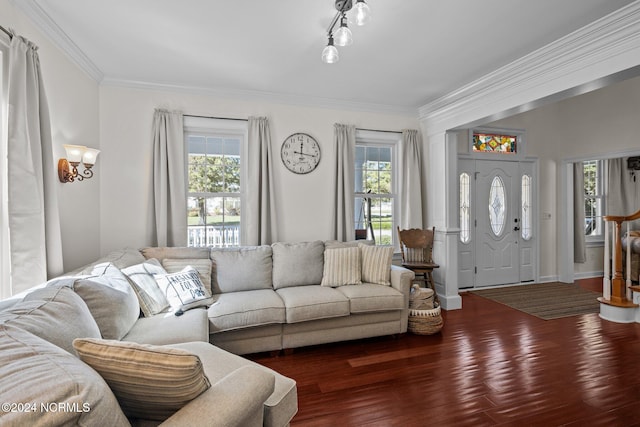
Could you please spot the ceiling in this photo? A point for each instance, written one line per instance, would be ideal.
(412, 52)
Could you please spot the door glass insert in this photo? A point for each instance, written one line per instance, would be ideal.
(465, 203)
(494, 143)
(526, 229)
(497, 206)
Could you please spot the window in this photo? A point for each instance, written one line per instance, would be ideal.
(465, 206)
(497, 206)
(494, 143)
(375, 187)
(526, 227)
(214, 199)
(593, 199)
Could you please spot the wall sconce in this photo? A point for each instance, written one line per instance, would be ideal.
(76, 154)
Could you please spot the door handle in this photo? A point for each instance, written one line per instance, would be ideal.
(516, 228)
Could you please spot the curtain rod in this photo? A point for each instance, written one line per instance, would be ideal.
(218, 118)
(7, 32)
(378, 130)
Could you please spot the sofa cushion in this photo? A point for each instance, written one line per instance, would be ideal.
(150, 382)
(241, 269)
(368, 297)
(150, 297)
(162, 252)
(279, 408)
(167, 328)
(184, 290)
(120, 258)
(55, 314)
(313, 302)
(236, 310)
(35, 371)
(297, 264)
(111, 300)
(376, 264)
(341, 267)
(202, 265)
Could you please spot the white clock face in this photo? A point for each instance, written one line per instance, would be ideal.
(300, 153)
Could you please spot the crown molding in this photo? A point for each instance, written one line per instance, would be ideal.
(272, 97)
(54, 33)
(574, 64)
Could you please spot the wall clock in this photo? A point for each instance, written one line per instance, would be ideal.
(300, 153)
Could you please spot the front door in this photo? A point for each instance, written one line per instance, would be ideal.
(497, 219)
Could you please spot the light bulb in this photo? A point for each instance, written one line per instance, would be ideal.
(363, 13)
(343, 35)
(330, 53)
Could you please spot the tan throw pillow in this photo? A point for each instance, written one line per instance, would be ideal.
(202, 265)
(184, 290)
(341, 267)
(376, 264)
(150, 382)
(151, 298)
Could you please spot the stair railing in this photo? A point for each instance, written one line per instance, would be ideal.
(615, 290)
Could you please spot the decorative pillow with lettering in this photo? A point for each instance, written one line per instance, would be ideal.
(184, 290)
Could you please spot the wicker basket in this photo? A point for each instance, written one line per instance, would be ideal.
(425, 322)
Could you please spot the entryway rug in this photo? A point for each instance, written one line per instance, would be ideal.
(545, 300)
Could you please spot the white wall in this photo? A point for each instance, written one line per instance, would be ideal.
(73, 105)
(595, 124)
(304, 202)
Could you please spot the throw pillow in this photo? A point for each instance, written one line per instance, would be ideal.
(151, 298)
(150, 382)
(36, 372)
(55, 314)
(184, 290)
(297, 264)
(111, 300)
(376, 264)
(341, 267)
(202, 265)
(241, 269)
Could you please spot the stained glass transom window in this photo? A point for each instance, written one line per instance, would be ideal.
(465, 204)
(526, 228)
(497, 206)
(494, 143)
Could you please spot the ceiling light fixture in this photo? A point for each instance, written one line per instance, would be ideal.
(330, 53)
(343, 36)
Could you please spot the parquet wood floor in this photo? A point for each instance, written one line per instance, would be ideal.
(490, 366)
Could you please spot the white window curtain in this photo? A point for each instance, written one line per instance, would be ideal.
(169, 216)
(260, 214)
(345, 146)
(411, 195)
(579, 244)
(623, 193)
(34, 219)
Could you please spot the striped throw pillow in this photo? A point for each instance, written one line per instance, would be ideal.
(341, 267)
(150, 382)
(376, 264)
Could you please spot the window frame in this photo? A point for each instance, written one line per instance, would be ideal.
(392, 140)
(600, 186)
(220, 128)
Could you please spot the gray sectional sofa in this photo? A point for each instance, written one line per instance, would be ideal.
(263, 298)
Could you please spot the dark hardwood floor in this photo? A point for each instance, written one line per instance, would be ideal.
(490, 366)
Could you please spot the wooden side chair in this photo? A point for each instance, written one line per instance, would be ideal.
(416, 246)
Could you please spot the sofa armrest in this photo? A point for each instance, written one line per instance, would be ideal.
(401, 279)
(236, 400)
